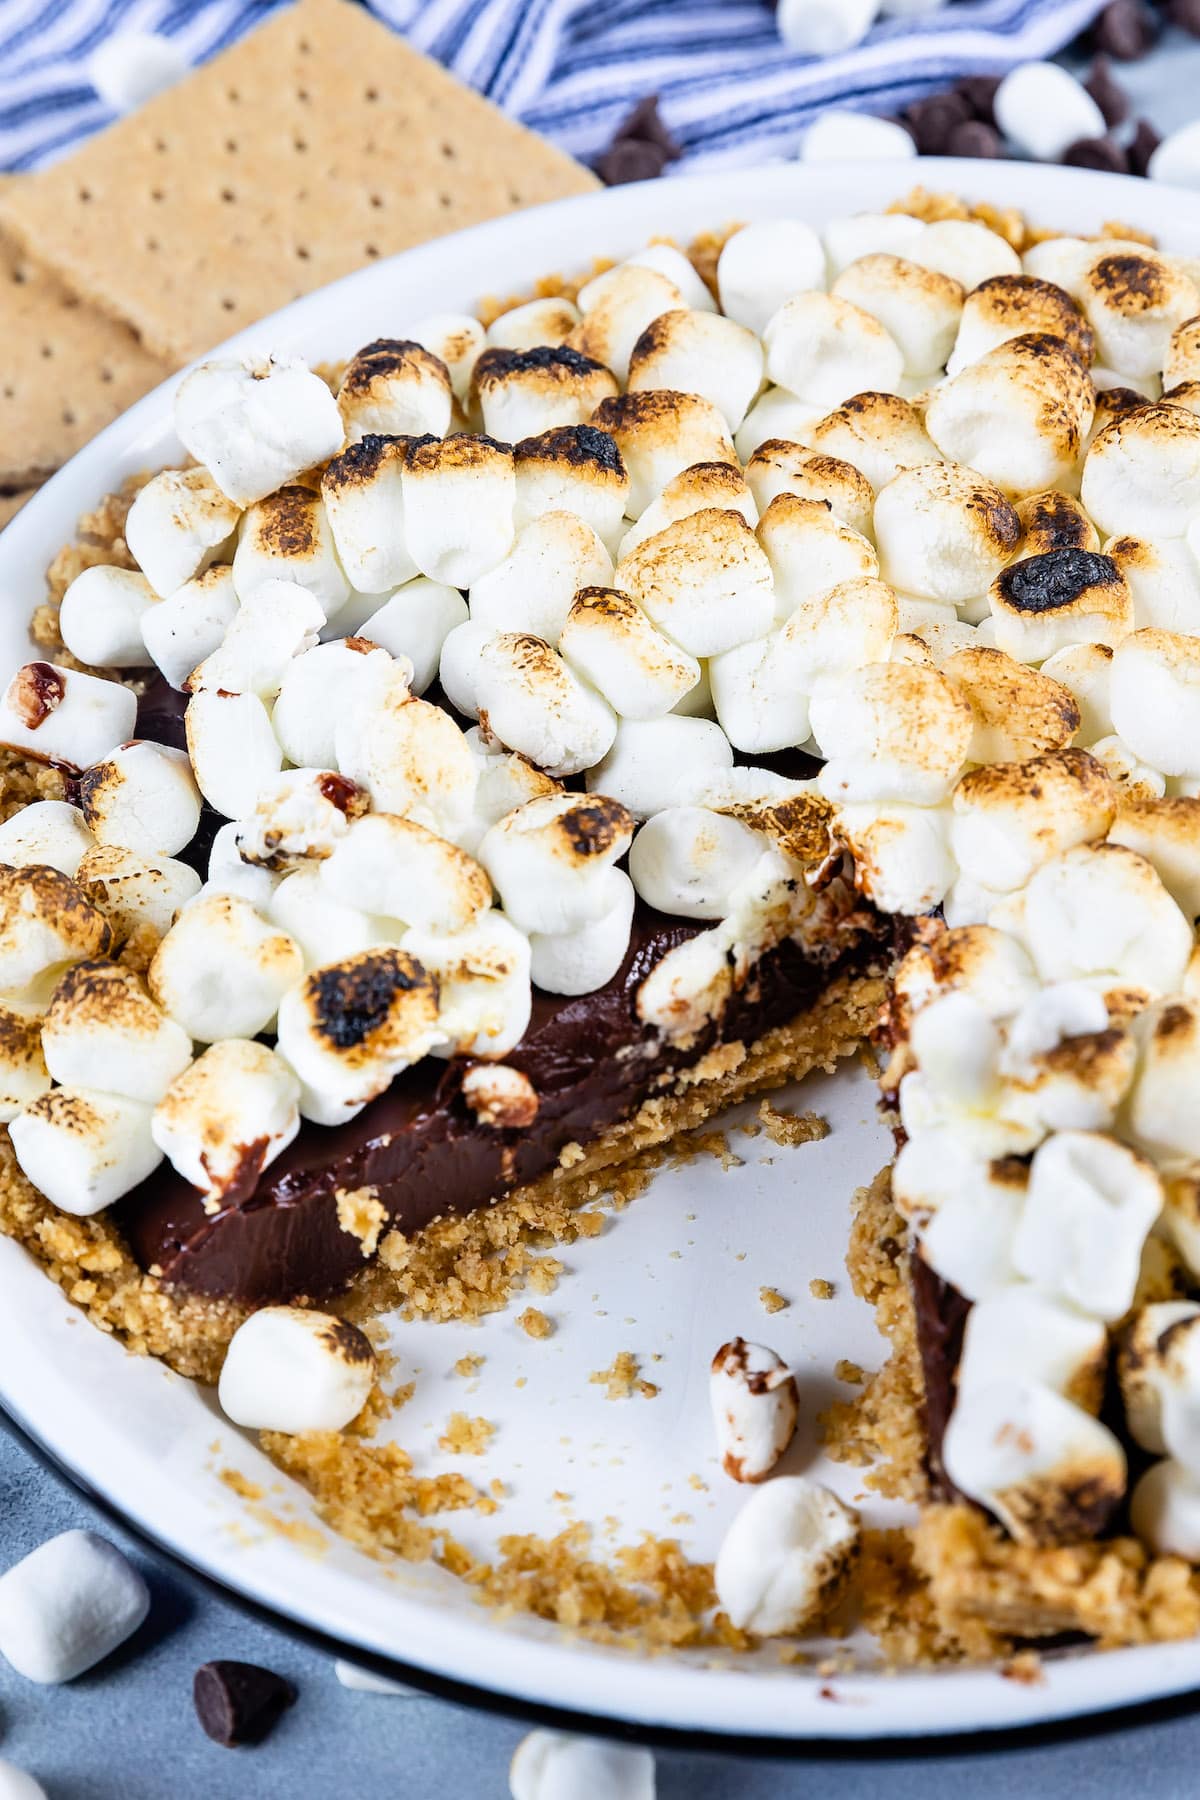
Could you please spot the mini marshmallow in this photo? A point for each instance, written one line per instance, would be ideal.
(1063, 597)
(700, 353)
(1018, 414)
(1090, 1204)
(101, 1030)
(879, 434)
(227, 1117)
(233, 751)
(394, 387)
(943, 532)
(278, 622)
(24, 1076)
(455, 339)
(1167, 834)
(505, 781)
(1155, 695)
(843, 136)
(305, 813)
(755, 1403)
(574, 469)
(1085, 671)
(704, 580)
(136, 894)
(1132, 779)
(826, 349)
(1162, 1109)
(865, 234)
(1043, 110)
(721, 485)
(1142, 474)
(779, 467)
(351, 1026)
(989, 965)
(523, 392)
(343, 679)
(958, 1051)
(1019, 713)
(362, 490)
(1181, 364)
(549, 1765)
(325, 930)
(1009, 306)
(256, 423)
(776, 414)
(549, 321)
(230, 873)
(677, 267)
(460, 663)
(689, 986)
(652, 761)
(291, 1369)
(969, 1240)
(1163, 581)
(83, 1149)
(659, 434)
(535, 704)
(764, 264)
(586, 958)
(397, 868)
(553, 558)
(822, 28)
(183, 631)
(618, 306)
(1174, 159)
(965, 250)
(1133, 300)
(608, 641)
(459, 497)
(48, 831)
(809, 552)
(143, 797)
(1020, 1334)
(177, 526)
(483, 977)
(65, 1607)
(687, 860)
(547, 859)
(1164, 1509)
(101, 617)
(1159, 1353)
(410, 756)
(1012, 818)
(45, 919)
(1048, 1471)
(786, 1557)
(755, 694)
(414, 624)
(222, 970)
(287, 537)
(502, 1098)
(919, 307)
(892, 731)
(902, 859)
(1051, 520)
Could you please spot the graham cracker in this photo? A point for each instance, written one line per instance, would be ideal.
(313, 146)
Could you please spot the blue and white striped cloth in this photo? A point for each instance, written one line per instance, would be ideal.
(570, 69)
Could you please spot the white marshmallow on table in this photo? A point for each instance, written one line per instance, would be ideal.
(142, 797)
(331, 681)
(866, 233)
(137, 893)
(1177, 158)
(325, 929)
(779, 467)
(1164, 1510)
(548, 321)
(755, 1403)
(178, 525)
(222, 969)
(64, 716)
(651, 761)
(687, 860)
(66, 1606)
(1163, 581)
(459, 497)
(16, 1784)
(102, 1031)
(824, 349)
(1133, 300)
(704, 580)
(45, 919)
(1155, 697)
(776, 414)
(824, 27)
(256, 422)
(233, 751)
(1043, 110)
(1158, 1353)
(396, 868)
(554, 556)
(522, 392)
(878, 434)
(535, 704)
(809, 552)
(183, 630)
(101, 617)
(303, 814)
(617, 307)
(24, 1076)
(483, 977)
(550, 1765)
(1019, 712)
(943, 532)
(1009, 306)
(362, 490)
(764, 264)
(1141, 476)
(891, 731)
(680, 269)
(700, 353)
(277, 622)
(1085, 671)
(846, 136)
(1167, 834)
(1049, 1471)
(396, 387)
(411, 757)
(228, 1116)
(786, 1556)
(965, 250)
(287, 537)
(1019, 414)
(126, 70)
(456, 339)
(660, 434)
(548, 859)
(1043, 604)
(351, 1026)
(1162, 1109)
(584, 959)
(608, 641)
(575, 469)
(902, 855)
(291, 1369)
(1019, 1333)
(83, 1148)
(414, 624)
(919, 307)
(1090, 1203)
(48, 831)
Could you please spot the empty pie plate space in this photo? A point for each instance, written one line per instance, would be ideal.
(700, 1257)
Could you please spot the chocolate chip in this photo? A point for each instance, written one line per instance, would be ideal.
(239, 1703)
(1108, 94)
(1097, 153)
(1185, 14)
(630, 160)
(979, 92)
(974, 138)
(931, 121)
(1125, 29)
(1142, 145)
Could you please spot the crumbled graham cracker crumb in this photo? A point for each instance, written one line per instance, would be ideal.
(783, 1127)
(848, 1371)
(362, 1213)
(623, 1378)
(242, 1485)
(704, 1143)
(820, 1289)
(469, 1365)
(466, 1437)
(1026, 1668)
(535, 1324)
(771, 1300)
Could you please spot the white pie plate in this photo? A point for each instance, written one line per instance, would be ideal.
(673, 1276)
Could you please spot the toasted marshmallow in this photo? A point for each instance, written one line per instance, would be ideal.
(101, 617)
(228, 1116)
(755, 1404)
(505, 781)
(1013, 817)
(976, 1207)
(304, 814)
(363, 494)
(717, 484)
(279, 621)
(1085, 670)
(677, 268)
(533, 703)
(411, 757)
(825, 349)
(554, 557)
(142, 797)
(48, 831)
(182, 631)
(1162, 1110)
(136, 894)
(808, 552)
(704, 580)
(658, 435)
(1155, 697)
(414, 624)
(1163, 580)
(776, 414)
(549, 321)
(256, 423)
(1164, 1510)
(1131, 778)
(458, 669)
(455, 339)
(1048, 1471)
(1063, 597)
(582, 960)
(222, 969)
(290, 1369)
(1133, 300)
(892, 731)
(651, 762)
(24, 1076)
(1054, 521)
(1009, 306)
(1159, 1353)
(1018, 712)
(1165, 832)
(575, 469)
(608, 641)
(549, 1765)
(393, 866)
(523, 392)
(1181, 364)
(965, 250)
(779, 467)
(178, 525)
(764, 264)
(484, 995)
(325, 930)
(943, 532)
(350, 1027)
(786, 1557)
(394, 387)
(989, 965)
(879, 434)
(100, 1030)
(45, 919)
(865, 234)
(755, 694)
(700, 353)
(919, 307)
(1018, 414)
(687, 861)
(233, 751)
(1090, 1204)
(902, 858)
(547, 859)
(459, 497)
(343, 679)
(500, 1097)
(83, 1148)
(688, 987)
(1142, 474)
(618, 306)
(287, 537)
(1018, 1333)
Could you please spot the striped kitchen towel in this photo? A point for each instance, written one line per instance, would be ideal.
(571, 69)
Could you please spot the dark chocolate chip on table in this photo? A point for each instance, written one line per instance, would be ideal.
(630, 160)
(979, 91)
(1108, 93)
(1142, 145)
(931, 121)
(1125, 29)
(646, 124)
(238, 1702)
(1097, 153)
(974, 138)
